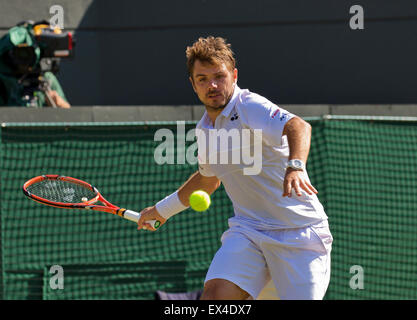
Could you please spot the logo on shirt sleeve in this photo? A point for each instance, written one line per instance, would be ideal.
(282, 117)
(275, 113)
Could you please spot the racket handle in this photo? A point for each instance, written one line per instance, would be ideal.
(135, 216)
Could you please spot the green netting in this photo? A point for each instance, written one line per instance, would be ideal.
(365, 172)
(126, 281)
(120, 162)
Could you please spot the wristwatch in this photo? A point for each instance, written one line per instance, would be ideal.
(296, 164)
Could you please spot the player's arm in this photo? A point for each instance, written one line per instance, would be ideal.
(197, 182)
(298, 134)
(177, 201)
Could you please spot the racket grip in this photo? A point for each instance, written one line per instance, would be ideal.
(135, 216)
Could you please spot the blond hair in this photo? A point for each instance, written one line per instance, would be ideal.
(211, 50)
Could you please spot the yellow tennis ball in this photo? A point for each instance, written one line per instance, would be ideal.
(199, 200)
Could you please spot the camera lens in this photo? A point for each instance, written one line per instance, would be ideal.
(23, 56)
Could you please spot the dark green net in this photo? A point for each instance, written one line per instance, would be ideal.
(365, 172)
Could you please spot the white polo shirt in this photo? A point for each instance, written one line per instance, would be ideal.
(257, 197)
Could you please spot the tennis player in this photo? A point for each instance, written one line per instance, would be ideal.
(279, 231)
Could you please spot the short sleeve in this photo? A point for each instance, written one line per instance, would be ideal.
(258, 112)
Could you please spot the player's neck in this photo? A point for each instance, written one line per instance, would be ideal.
(213, 113)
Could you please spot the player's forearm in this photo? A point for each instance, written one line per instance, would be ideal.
(197, 182)
(298, 134)
(179, 200)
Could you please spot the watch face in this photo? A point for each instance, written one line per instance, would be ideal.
(298, 163)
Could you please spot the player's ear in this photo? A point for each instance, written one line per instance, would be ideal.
(235, 75)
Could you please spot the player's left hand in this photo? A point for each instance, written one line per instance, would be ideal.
(297, 180)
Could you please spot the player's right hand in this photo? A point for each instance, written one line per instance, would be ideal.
(149, 213)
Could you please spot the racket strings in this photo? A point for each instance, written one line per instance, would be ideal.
(61, 191)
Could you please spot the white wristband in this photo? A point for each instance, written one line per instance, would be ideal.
(170, 206)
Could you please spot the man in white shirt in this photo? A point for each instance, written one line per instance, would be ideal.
(274, 234)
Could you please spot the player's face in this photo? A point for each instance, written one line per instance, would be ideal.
(213, 83)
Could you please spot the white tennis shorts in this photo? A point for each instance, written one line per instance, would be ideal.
(296, 260)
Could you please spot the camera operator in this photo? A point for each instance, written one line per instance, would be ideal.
(30, 54)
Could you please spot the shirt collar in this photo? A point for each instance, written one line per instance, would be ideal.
(226, 111)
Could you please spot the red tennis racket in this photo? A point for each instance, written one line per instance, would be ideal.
(70, 193)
